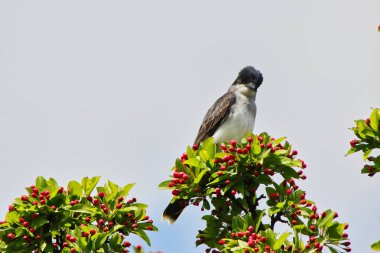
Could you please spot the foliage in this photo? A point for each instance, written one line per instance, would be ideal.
(368, 133)
(233, 180)
(52, 219)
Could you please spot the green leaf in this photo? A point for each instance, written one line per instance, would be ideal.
(376, 246)
(327, 219)
(112, 188)
(374, 119)
(259, 216)
(41, 184)
(12, 217)
(335, 231)
(203, 154)
(237, 223)
(143, 235)
(75, 188)
(198, 178)
(89, 184)
(193, 162)
(280, 241)
(116, 241)
(126, 189)
(100, 240)
(36, 223)
(164, 185)
(209, 146)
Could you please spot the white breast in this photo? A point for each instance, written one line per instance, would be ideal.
(240, 121)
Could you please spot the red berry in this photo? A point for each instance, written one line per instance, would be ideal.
(195, 147)
(92, 231)
(101, 194)
(96, 202)
(126, 244)
(233, 143)
(85, 234)
(249, 139)
(118, 206)
(10, 208)
(65, 244)
(24, 198)
(25, 224)
(175, 192)
(11, 236)
(72, 239)
(354, 142)
(222, 242)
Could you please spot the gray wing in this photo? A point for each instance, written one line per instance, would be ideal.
(215, 116)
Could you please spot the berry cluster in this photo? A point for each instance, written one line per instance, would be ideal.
(72, 219)
(368, 139)
(233, 178)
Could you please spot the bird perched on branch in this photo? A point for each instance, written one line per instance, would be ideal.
(229, 118)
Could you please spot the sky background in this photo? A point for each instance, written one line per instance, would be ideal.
(119, 89)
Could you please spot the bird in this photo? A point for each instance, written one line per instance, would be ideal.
(229, 118)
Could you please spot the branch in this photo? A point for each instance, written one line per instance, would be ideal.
(232, 197)
(275, 218)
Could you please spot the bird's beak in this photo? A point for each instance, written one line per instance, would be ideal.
(253, 86)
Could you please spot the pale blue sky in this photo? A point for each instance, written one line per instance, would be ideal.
(119, 88)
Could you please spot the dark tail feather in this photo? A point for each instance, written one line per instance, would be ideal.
(174, 210)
